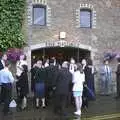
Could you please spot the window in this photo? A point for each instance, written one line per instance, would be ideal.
(39, 15)
(85, 18)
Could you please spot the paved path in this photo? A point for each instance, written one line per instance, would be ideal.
(104, 108)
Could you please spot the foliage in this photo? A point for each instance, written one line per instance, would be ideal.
(111, 55)
(11, 20)
(13, 54)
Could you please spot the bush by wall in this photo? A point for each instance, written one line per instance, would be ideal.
(11, 21)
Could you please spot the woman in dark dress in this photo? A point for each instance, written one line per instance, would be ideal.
(40, 84)
(89, 78)
(24, 89)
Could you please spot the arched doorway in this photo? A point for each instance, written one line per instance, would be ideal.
(60, 53)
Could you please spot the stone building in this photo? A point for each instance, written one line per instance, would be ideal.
(72, 28)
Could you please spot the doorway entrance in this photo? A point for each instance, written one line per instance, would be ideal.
(60, 53)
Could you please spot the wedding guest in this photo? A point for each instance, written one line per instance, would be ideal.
(84, 63)
(2, 65)
(72, 66)
(118, 79)
(6, 79)
(23, 86)
(19, 69)
(90, 72)
(78, 80)
(85, 91)
(33, 72)
(2, 61)
(40, 85)
(64, 78)
(46, 63)
(106, 78)
(51, 74)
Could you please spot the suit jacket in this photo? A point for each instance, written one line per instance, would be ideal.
(63, 82)
(118, 73)
(51, 75)
(104, 75)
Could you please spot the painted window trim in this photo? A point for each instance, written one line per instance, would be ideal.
(94, 15)
(43, 2)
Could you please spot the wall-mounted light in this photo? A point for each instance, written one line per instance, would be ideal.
(62, 35)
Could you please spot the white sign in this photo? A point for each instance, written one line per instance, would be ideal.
(62, 43)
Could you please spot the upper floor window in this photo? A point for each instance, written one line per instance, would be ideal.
(85, 18)
(39, 15)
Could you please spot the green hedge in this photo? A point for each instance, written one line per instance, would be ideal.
(11, 20)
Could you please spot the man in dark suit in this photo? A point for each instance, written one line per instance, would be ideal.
(2, 65)
(50, 80)
(118, 79)
(64, 79)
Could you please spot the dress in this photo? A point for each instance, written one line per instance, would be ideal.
(89, 79)
(23, 84)
(78, 80)
(40, 83)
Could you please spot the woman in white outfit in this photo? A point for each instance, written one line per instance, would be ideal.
(78, 80)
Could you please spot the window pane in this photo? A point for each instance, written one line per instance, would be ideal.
(39, 15)
(85, 18)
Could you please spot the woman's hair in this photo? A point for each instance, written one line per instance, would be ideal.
(79, 67)
(7, 63)
(106, 60)
(25, 68)
(3, 54)
(89, 62)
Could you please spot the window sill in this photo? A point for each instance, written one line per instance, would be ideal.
(39, 27)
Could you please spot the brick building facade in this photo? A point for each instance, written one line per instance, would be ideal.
(89, 26)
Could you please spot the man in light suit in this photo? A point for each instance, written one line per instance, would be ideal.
(6, 79)
(106, 78)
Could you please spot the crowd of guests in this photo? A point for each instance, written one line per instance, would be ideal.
(61, 83)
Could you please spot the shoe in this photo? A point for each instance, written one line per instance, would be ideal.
(78, 113)
(65, 114)
(43, 106)
(37, 107)
(24, 108)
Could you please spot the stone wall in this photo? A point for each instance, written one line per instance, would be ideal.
(63, 15)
